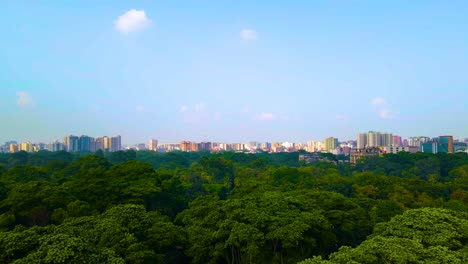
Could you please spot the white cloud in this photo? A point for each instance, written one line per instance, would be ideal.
(24, 99)
(183, 108)
(133, 20)
(382, 108)
(386, 114)
(248, 34)
(266, 116)
(341, 117)
(378, 101)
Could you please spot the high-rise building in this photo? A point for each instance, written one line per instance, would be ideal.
(84, 144)
(26, 146)
(92, 144)
(185, 146)
(107, 143)
(204, 146)
(361, 140)
(330, 143)
(418, 141)
(153, 145)
(193, 146)
(99, 144)
(56, 146)
(375, 139)
(13, 148)
(71, 143)
(397, 141)
(115, 143)
(448, 140)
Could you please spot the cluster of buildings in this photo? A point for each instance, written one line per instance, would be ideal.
(70, 143)
(366, 144)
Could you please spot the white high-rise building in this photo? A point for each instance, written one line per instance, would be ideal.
(374, 139)
(361, 140)
(153, 145)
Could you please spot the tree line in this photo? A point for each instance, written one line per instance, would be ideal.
(148, 207)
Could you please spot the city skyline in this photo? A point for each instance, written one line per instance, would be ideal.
(232, 71)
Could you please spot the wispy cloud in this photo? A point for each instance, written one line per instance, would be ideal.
(382, 108)
(24, 99)
(341, 117)
(183, 108)
(199, 113)
(378, 101)
(132, 21)
(266, 116)
(386, 114)
(248, 34)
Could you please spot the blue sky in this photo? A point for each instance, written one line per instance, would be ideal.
(232, 70)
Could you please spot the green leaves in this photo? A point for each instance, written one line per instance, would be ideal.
(123, 234)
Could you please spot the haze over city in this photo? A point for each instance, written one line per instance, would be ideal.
(232, 71)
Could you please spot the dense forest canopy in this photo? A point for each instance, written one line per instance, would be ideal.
(199, 207)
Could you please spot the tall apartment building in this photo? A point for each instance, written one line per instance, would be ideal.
(13, 148)
(115, 144)
(56, 146)
(99, 144)
(374, 139)
(26, 146)
(361, 140)
(330, 143)
(71, 143)
(107, 143)
(204, 146)
(185, 146)
(153, 145)
(397, 141)
(84, 144)
(418, 141)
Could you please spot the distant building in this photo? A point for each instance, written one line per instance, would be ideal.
(397, 149)
(330, 143)
(99, 144)
(361, 140)
(115, 143)
(397, 141)
(442, 144)
(84, 144)
(13, 148)
(460, 146)
(313, 157)
(193, 146)
(374, 139)
(448, 140)
(185, 146)
(26, 146)
(153, 145)
(71, 143)
(107, 143)
(56, 146)
(357, 154)
(204, 146)
(418, 141)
